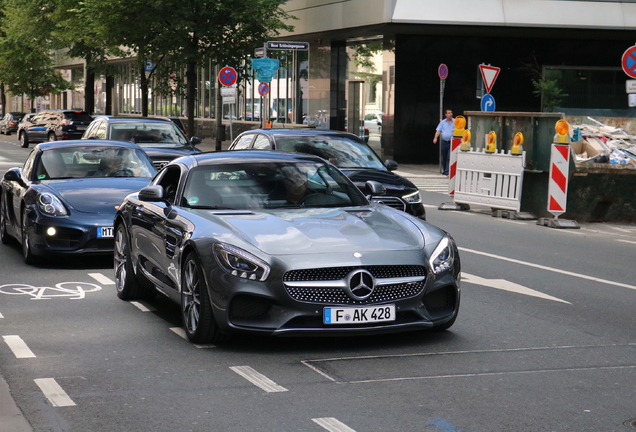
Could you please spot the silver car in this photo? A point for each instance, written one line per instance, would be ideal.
(281, 244)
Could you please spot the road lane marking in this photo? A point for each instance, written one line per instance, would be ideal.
(18, 346)
(53, 392)
(555, 270)
(627, 241)
(332, 424)
(258, 379)
(144, 308)
(1, 316)
(180, 331)
(102, 279)
(505, 285)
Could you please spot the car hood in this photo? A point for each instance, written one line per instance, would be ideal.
(99, 195)
(394, 184)
(320, 231)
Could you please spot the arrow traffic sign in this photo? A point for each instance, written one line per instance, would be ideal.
(628, 61)
(489, 74)
(488, 103)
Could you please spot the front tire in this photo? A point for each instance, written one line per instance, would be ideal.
(127, 285)
(196, 308)
(24, 140)
(27, 253)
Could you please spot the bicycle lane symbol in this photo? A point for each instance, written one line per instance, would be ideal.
(71, 290)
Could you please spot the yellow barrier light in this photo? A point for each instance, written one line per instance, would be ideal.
(460, 122)
(465, 144)
(491, 142)
(517, 144)
(562, 135)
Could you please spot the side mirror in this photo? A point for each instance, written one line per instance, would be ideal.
(391, 165)
(14, 174)
(375, 188)
(195, 140)
(151, 193)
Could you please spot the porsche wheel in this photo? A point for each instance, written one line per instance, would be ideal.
(127, 285)
(4, 236)
(52, 137)
(196, 307)
(27, 253)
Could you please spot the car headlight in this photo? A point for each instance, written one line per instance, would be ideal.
(413, 198)
(241, 263)
(442, 257)
(51, 205)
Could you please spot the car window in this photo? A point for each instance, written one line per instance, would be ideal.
(342, 151)
(93, 161)
(244, 142)
(78, 116)
(169, 180)
(147, 133)
(269, 185)
(262, 142)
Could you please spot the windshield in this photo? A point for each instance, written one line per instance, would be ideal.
(82, 162)
(341, 151)
(270, 185)
(148, 134)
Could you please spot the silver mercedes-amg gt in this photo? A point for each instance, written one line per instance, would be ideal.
(283, 244)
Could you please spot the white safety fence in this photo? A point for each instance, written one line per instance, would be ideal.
(491, 179)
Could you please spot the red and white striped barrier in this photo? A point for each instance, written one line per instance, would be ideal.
(558, 186)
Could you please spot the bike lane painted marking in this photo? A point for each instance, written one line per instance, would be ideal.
(102, 279)
(53, 392)
(19, 348)
(258, 379)
(72, 290)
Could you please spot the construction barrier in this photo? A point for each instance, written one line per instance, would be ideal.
(491, 179)
(458, 133)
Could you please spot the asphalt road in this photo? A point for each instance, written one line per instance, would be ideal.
(545, 341)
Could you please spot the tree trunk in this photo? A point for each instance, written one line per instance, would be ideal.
(89, 91)
(191, 79)
(144, 91)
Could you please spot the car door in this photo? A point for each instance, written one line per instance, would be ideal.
(35, 126)
(157, 233)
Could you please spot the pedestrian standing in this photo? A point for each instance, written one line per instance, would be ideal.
(445, 131)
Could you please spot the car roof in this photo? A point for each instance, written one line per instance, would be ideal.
(300, 132)
(85, 143)
(245, 156)
(134, 119)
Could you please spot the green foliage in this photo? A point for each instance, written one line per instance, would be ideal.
(363, 55)
(549, 92)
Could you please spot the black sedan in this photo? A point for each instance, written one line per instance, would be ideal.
(63, 201)
(281, 244)
(160, 137)
(348, 152)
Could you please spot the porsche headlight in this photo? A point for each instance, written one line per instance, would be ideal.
(241, 263)
(442, 257)
(412, 198)
(51, 205)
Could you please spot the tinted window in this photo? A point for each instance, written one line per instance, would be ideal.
(78, 116)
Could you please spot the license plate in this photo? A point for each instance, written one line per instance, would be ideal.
(358, 315)
(80, 127)
(104, 232)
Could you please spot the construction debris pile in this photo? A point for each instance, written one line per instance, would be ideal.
(600, 143)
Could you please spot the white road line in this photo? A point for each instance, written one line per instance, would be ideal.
(53, 392)
(505, 285)
(1, 316)
(332, 424)
(18, 346)
(627, 241)
(258, 379)
(181, 332)
(101, 279)
(555, 270)
(142, 307)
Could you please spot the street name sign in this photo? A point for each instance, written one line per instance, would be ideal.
(280, 45)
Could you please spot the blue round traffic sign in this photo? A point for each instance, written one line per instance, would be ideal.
(628, 61)
(488, 103)
(442, 71)
(263, 88)
(228, 76)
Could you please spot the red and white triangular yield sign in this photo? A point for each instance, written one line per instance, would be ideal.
(489, 74)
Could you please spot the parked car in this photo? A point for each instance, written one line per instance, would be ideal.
(53, 125)
(373, 122)
(281, 244)
(63, 200)
(9, 122)
(348, 152)
(161, 138)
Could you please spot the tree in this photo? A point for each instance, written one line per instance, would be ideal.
(549, 92)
